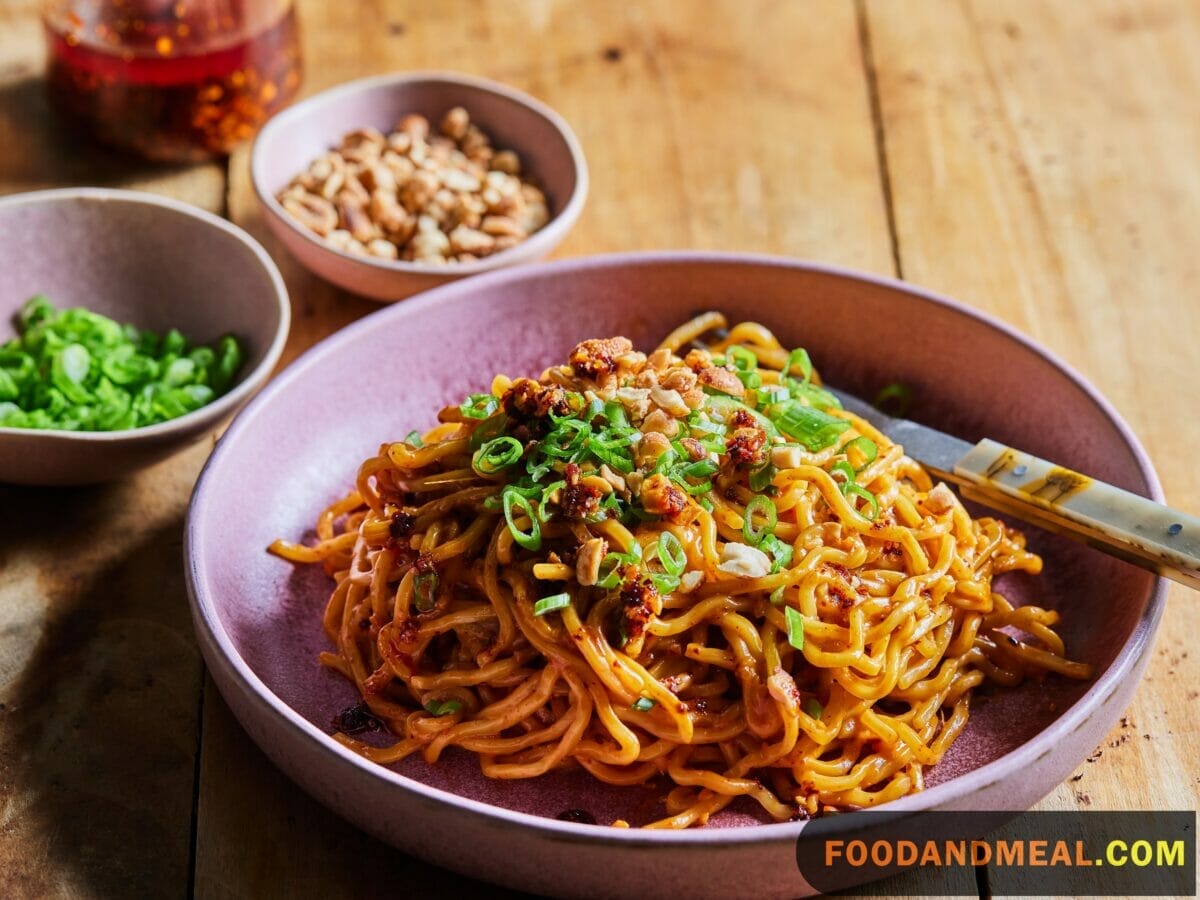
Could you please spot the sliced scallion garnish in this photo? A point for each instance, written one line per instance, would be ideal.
(799, 358)
(671, 554)
(496, 455)
(441, 708)
(531, 539)
(780, 552)
(743, 358)
(762, 477)
(843, 468)
(551, 603)
(813, 428)
(759, 505)
(795, 627)
(643, 704)
(664, 584)
(856, 490)
(864, 445)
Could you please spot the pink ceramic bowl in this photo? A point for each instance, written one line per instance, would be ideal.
(158, 264)
(259, 619)
(548, 148)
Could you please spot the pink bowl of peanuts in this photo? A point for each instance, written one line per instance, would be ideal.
(391, 185)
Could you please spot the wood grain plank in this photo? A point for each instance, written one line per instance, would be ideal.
(1042, 161)
(99, 672)
(755, 135)
(99, 683)
(742, 137)
(296, 848)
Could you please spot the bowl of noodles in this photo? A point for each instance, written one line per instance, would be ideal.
(581, 566)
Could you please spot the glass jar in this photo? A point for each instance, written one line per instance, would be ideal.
(173, 80)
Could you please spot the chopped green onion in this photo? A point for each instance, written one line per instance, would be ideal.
(543, 512)
(425, 587)
(78, 370)
(665, 584)
(664, 462)
(894, 399)
(414, 439)
(551, 603)
(671, 554)
(698, 421)
(173, 343)
(864, 445)
(479, 406)
(743, 358)
(36, 310)
(490, 428)
(795, 627)
(780, 552)
(498, 453)
(615, 453)
(532, 539)
(441, 708)
(776, 596)
(643, 704)
(615, 413)
(799, 357)
(68, 369)
(594, 408)
(699, 469)
(816, 396)
(843, 468)
(855, 490)
(775, 393)
(698, 488)
(762, 477)
(537, 470)
(812, 706)
(813, 428)
(610, 571)
(752, 380)
(763, 505)
(566, 439)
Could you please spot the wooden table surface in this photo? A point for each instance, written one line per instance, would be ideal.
(1037, 160)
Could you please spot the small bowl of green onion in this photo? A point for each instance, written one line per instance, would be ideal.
(131, 325)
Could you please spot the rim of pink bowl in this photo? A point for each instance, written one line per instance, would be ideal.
(538, 243)
(1070, 720)
(246, 384)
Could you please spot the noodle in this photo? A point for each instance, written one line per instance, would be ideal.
(696, 570)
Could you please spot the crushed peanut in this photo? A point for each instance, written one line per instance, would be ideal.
(418, 196)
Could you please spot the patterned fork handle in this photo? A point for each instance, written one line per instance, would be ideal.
(1138, 530)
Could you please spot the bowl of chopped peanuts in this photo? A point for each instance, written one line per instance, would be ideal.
(391, 185)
